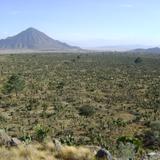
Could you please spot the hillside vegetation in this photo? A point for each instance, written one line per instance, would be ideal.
(109, 100)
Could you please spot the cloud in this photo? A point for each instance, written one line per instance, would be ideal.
(126, 5)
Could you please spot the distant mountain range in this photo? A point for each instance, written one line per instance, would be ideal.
(129, 48)
(149, 50)
(35, 40)
(119, 47)
(32, 39)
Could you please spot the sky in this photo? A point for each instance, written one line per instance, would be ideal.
(88, 23)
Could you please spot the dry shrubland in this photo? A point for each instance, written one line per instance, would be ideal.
(81, 99)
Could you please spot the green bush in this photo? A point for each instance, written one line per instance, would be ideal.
(124, 139)
(68, 139)
(15, 83)
(86, 110)
(41, 132)
(26, 138)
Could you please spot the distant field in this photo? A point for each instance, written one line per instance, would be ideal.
(80, 98)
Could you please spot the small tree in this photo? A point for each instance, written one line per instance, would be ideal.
(138, 60)
(14, 84)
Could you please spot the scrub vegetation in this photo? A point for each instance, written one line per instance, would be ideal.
(110, 100)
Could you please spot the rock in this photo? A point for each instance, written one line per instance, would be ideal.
(104, 154)
(15, 142)
(58, 145)
(153, 156)
(7, 141)
(4, 139)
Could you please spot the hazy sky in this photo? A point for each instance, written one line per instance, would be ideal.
(85, 22)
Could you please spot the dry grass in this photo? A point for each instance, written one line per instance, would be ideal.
(44, 152)
(73, 153)
(23, 152)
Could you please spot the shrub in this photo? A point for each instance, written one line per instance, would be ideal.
(41, 132)
(2, 118)
(60, 85)
(26, 138)
(119, 122)
(151, 138)
(124, 139)
(68, 139)
(86, 110)
(127, 151)
(155, 126)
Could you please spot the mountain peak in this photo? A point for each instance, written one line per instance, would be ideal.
(31, 29)
(34, 39)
